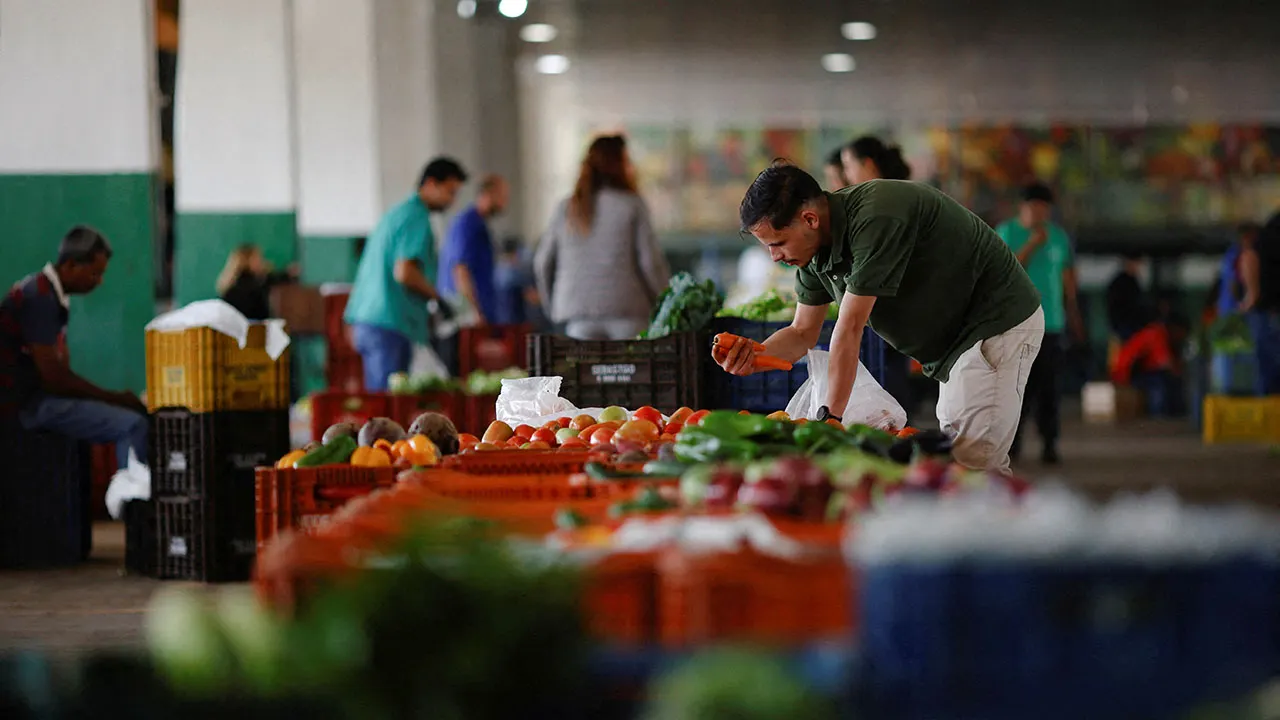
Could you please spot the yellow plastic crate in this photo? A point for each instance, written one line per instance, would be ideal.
(1241, 419)
(204, 370)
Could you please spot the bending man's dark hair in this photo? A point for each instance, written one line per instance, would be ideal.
(82, 244)
(834, 159)
(442, 169)
(777, 195)
(888, 158)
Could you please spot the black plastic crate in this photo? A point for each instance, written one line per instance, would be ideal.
(665, 373)
(766, 392)
(44, 499)
(192, 454)
(140, 537)
(209, 540)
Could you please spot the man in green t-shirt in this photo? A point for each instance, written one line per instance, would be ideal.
(1043, 248)
(926, 274)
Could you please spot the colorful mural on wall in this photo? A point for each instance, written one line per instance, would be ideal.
(1197, 175)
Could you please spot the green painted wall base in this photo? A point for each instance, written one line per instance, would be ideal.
(202, 242)
(328, 258)
(105, 334)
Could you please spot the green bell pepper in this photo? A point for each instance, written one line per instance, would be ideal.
(729, 424)
(698, 445)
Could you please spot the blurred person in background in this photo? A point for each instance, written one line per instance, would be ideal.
(869, 158)
(518, 300)
(833, 171)
(1260, 278)
(396, 277)
(599, 265)
(1044, 250)
(36, 379)
(1127, 307)
(466, 261)
(930, 277)
(246, 280)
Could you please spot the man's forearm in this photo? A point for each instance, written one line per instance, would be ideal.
(789, 344)
(68, 384)
(466, 288)
(417, 283)
(1026, 253)
(842, 371)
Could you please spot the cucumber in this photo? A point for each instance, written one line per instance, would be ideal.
(334, 452)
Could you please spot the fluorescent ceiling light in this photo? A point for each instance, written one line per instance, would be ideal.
(858, 31)
(538, 33)
(466, 9)
(551, 64)
(838, 62)
(513, 8)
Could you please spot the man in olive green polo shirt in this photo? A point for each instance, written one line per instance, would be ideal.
(926, 274)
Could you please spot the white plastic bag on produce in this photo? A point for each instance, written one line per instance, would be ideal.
(869, 404)
(426, 363)
(532, 401)
(133, 482)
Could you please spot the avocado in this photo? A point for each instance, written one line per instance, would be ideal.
(349, 429)
(439, 429)
(380, 428)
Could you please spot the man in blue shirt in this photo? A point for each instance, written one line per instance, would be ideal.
(396, 277)
(1045, 250)
(36, 381)
(466, 262)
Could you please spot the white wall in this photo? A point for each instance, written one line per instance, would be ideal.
(233, 126)
(100, 58)
(336, 109)
(408, 121)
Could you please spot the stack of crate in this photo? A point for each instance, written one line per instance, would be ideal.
(217, 412)
(343, 368)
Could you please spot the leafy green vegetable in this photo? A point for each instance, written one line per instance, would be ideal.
(769, 307)
(1229, 335)
(739, 684)
(487, 383)
(685, 305)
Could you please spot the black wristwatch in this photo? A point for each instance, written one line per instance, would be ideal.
(824, 414)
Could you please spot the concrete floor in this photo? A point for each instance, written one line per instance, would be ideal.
(96, 605)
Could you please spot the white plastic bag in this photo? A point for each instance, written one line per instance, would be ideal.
(869, 404)
(529, 400)
(133, 482)
(220, 316)
(426, 363)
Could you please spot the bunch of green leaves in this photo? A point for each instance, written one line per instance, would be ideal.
(685, 305)
(458, 625)
(480, 382)
(1229, 335)
(769, 307)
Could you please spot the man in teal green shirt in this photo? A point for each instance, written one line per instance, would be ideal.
(922, 271)
(1044, 249)
(396, 278)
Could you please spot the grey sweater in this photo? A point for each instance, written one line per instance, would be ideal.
(616, 271)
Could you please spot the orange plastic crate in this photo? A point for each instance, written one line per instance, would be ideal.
(304, 498)
(525, 462)
(748, 596)
(202, 370)
(620, 599)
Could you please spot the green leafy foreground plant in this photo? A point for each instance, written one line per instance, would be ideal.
(733, 684)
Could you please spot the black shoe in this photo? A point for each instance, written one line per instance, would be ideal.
(1050, 456)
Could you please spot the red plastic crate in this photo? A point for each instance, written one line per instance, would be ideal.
(492, 348)
(303, 498)
(752, 597)
(334, 406)
(480, 412)
(335, 330)
(404, 409)
(620, 599)
(526, 462)
(344, 372)
(506, 487)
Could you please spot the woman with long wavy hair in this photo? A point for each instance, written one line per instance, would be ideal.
(599, 266)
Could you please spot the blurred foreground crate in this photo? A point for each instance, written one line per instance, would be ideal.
(1241, 419)
(665, 373)
(140, 537)
(204, 370)
(44, 499)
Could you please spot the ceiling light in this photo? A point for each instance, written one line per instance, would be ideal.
(551, 64)
(538, 33)
(838, 62)
(858, 31)
(513, 8)
(466, 9)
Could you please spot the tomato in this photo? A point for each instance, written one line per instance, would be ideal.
(466, 440)
(602, 436)
(649, 413)
(536, 445)
(667, 438)
(525, 431)
(573, 444)
(640, 431)
(682, 415)
(673, 428)
(545, 436)
(515, 441)
(564, 422)
(696, 418)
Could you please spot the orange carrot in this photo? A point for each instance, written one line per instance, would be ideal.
(769, 362)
